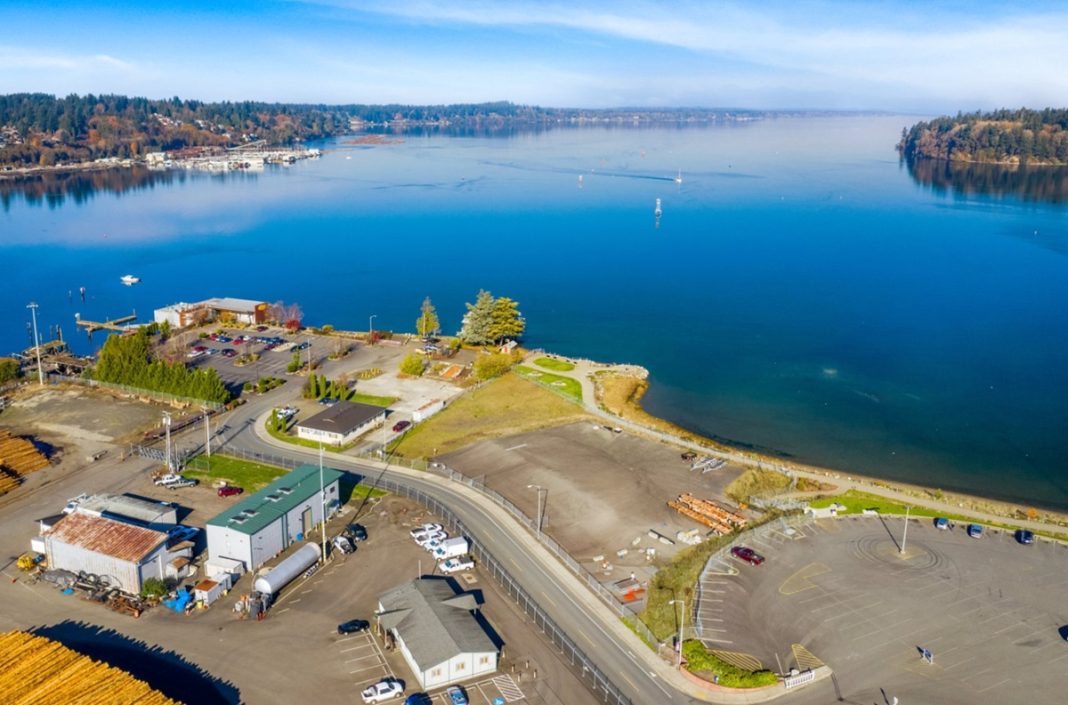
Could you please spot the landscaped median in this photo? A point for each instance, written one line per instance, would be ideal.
(706, 665)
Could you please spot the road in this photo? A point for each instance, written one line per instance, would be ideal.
(589, 623)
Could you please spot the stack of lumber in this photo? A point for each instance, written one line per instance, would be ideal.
(19, 455)
(8, 480)
(720, 520)
(38, 671)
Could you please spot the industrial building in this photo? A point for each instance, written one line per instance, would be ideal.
(437, 629)
(221, 310)
(147, 512)
(122, 553)
(341, 423)
(284, 512)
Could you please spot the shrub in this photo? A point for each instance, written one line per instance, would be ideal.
(153, 587)
(9, 369)
(490, 366)
(412, 364)
(700, 659)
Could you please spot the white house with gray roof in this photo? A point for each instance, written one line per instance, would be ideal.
(438, 632)
(267, 522)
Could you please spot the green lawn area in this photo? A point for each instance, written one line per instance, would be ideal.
(567, 386)
(372, 399)
(502, 407)
(556, 365)
(243, 473)
(701, 661)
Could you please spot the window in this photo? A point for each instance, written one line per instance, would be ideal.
(436, 673)
(483, 661)
(460, 666)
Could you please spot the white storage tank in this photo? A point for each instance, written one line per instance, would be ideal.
(284, 573)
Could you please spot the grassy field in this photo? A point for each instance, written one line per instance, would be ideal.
(567, 386)
(555, 365)
(503, 407)
(243, 473)
(372, 399)
(756, 482)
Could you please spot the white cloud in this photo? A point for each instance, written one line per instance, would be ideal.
(14, 58)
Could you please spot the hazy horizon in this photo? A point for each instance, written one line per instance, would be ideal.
(868, 56)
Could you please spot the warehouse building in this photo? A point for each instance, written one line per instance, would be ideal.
(438, 631)
(125, 554)
(341, 423)
(146, 512)
(264, 524)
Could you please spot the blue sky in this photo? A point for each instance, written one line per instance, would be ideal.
(906, 56)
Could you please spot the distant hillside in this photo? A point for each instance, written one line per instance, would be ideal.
(39, 130)
(1011, 137)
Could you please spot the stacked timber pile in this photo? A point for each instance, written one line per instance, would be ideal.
(18, 457)
(720, 520)
(38, 671)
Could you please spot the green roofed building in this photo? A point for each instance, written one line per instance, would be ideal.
(264, 524)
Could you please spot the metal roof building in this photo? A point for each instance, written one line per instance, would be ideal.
(341, 423)
(125, 554)
(267, 522)
(437, 631)
(152, 513)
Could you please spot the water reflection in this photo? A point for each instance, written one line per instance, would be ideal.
(55, 188)
(1041, 184)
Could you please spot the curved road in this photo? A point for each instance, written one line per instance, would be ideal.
(605, 640)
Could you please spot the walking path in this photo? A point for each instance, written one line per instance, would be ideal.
(585, 368)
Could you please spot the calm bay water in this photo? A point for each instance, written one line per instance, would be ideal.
(803, 293)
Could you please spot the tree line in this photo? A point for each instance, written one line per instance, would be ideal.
(1020, 136)
(128, 360)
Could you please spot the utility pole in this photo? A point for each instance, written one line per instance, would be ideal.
(167, 429)
(905, 533)
(682, 629)
(322, 493)
(207, 434)
(36, 342)
(541, 508)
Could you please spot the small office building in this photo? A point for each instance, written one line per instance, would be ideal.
(437, 631)
(221, 310)
(265, 523)
(342, 423)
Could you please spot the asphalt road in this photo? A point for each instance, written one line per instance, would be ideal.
(510, 544)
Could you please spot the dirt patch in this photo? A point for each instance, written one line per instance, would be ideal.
(602, 490)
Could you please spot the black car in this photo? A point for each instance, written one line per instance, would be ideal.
(1025, 537)
(353, 626)
(355, 532)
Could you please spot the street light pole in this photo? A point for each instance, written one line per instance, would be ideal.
(682, 629)
(371, 329)
(207, 434)
(541, 509)
(905, 533)
(167, 430)
(322, 493)
(36, 341)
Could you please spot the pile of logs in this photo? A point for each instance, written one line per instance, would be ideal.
(720, 520)
(18, 457)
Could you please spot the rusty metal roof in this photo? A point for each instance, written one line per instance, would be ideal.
(107, 536)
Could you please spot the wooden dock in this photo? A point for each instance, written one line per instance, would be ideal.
(115, 324)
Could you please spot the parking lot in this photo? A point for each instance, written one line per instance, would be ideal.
(990, 611)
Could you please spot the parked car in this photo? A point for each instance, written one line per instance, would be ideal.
(457, 696)
(184, 482)
(229, 352)
(418, 699)
(260, 329)
(355, 532)
(224, 339)
(424, 529)
(748, 555)
(429, 538)
(975, 531)
(180, 533)
(168, 479)
(343, 544)
(456, 565)
(230, 491)
(353, 626)
(941, 523)
(1025, 537)
(328, 401)
(689, 455)
(383, 690)
(401, 425)
(195, 354)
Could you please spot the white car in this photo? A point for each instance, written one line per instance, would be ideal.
(456, 565)
(424, 529)
(427, 539)
(382, 690)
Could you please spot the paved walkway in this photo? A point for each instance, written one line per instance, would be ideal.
(585, 368)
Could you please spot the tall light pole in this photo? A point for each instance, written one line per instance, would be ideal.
(322, 493)
(541, 510)
(905, 533)
(207, 433)
(371, 329)
(167, 430)
(682, 629)
(36, 342)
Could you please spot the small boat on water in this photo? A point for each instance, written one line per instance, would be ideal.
(129, 279)
(678, 179)
(658, 211)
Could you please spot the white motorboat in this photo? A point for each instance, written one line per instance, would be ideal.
(129, 279)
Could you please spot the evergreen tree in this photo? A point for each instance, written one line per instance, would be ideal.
(478, 321)
(506, 321)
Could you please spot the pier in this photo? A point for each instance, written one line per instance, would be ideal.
(115, 324)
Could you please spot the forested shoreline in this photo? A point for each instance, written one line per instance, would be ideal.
(1011, 137)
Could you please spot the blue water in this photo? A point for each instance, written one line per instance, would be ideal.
(802, 294)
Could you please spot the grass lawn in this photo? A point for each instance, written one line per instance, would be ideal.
(372, 399)
(503, 407)
(570, 388)
(702, 662)
(555, 365)
(756, 482)
(243, 473)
